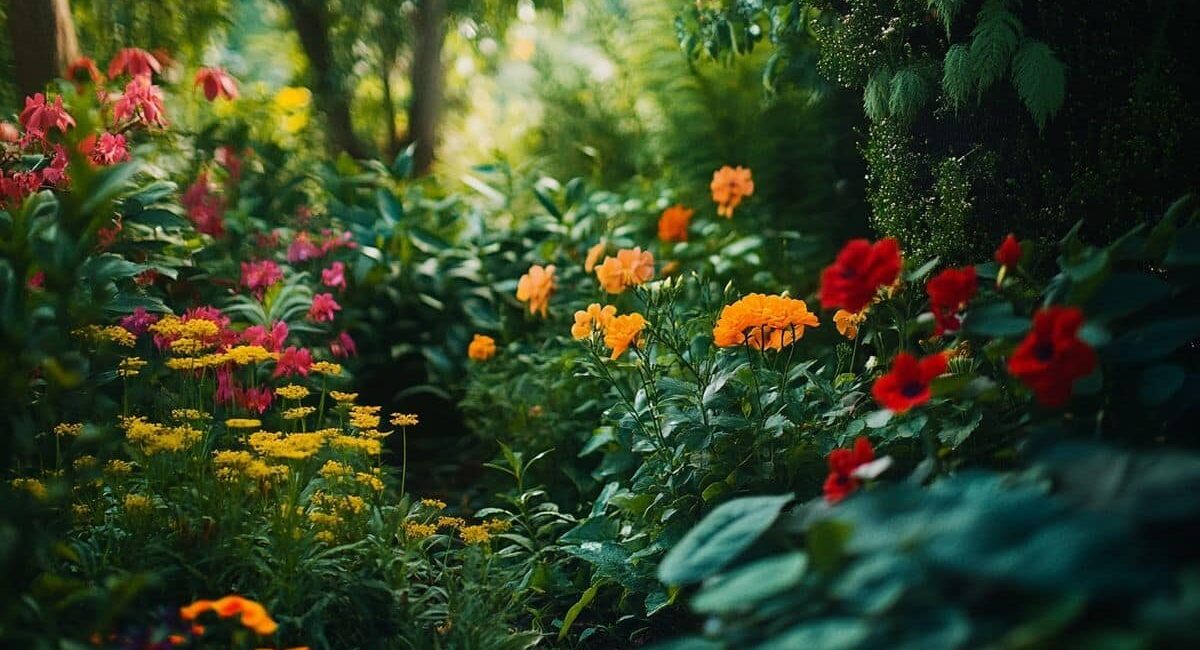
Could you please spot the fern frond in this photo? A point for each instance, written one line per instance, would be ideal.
(877, 94)
(909, 93)
(958, 76)
(946, 11)
(1040, 80)
(993, 42)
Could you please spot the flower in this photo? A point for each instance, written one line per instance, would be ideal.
(243, 423)
(137, 503)
(83, 70)
(142, 102)
(436, 504)
(323, 307)
(272, 341)
(1051, 357)
(847, 323)
(729, 186)
(673, 224)
(251, 614)
(217, 83)
(259, 276)
(302, 249)
(949, 292)
(130, 366)
(139, 321)
(907, 384)
(298, 412)
(334, 276)
(1009, 252)
(631, 267)
(68, 429)
(339, 396)
(478, 534)
(327, 368)
(133, 61)
(292, 391)
(293, 361)
(763, 322)
(404, 419)
(593, 319)
(535, 288)
(482, 348)
(38, 116)
(417, 530)
(622, 332)
(204, 207)
(847, 468)
(343, 346)
(859, 271)
(292, 446)
(593, 255)
(109, 149)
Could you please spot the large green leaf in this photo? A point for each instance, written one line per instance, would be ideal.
(720, 538)
(1152, 341)
(758, 581)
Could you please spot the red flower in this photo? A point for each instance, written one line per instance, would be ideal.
(1051, 357)
(38, 116)
(259, 276)
(949, 292)
(227, 387)
(322, 308)
(907, 385)
(257, 400)
(141, 102)
(842, 464)
(204, 206)
(217, 83)
(83, 70)
(133, 61)
(109, 149)
(860, 269)
(302, 249)
(334, 276)
(272, 340)
(343, 346)
(37, 281)
(293, 361)
(1009, 253)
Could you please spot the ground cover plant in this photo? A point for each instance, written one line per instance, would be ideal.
(598, 325)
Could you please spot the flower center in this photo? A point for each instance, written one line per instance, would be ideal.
(912, 389)
(1044, 351)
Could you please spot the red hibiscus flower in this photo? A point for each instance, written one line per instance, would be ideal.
(293, 361)
(302, 249)
(1051, 357)
(217, 83)
(1009, 253)
(844, 465)
(907, 385)
(949, 292)
(860, 269)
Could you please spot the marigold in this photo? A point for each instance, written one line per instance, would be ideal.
(630, 267)
(729, 186)
(907, 384)
(847, 323)
(624, 331)
(1052, 357)
(673, 224)
(593, 319)
(763, 322)
(536, 287)
(860, 270)
(482, 348)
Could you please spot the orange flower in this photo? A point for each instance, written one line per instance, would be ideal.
(594, 319)
(729, 186)
(847, 322)
(593, 255)
(535, 288)
(673, 224)
(763, 322)
(630, 267)
(482, 348)
(253, 615)
(622, 332)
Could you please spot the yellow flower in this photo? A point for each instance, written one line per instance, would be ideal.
(118, 468)
(763, 322)
(154, 438)
(137, 504)
(292, 391)
(623, 332)
(293, 446)
(234, 465)
(629, 268)
(110, 333)
(363, 419)
(339, 396)
(84, 462)
(417, 530)
(369, 480)
(243, 423)
(291, 98)
(436, 504)
(847, 323)
(246, 354)
(327, 368)
(31, 485)
(298, 412)
(497, 525)
(593, 319)
(187, 346)
(404, 419)
(451, 522)
(130, 366)
(189, 415)
(332, 469)
(536, 287)
(368, 446)
(475, 534)
(324, 537)
(481, 348)
(68, 429)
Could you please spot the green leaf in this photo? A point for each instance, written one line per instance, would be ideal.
(958, 77)
(1125, 293)
(742, 588)
(909, 92)
(946, 10)
(826, 542)
(158, 218)
(577, 608)
(111, 182)
(877, 94)
(1160, 382)
(993, 42)
(720, 538)
(547, 202)
(1153, 341)
(1185, 251)
(1040, 80)
(826, 634)
(389, 208)
(995, 320)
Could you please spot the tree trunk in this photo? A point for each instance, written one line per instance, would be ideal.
(311, 19)
(425, 105)
(42, 35)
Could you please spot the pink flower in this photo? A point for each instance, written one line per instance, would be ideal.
(18, 185)
(142, 102)
(343, 346)
(333, 242)
(293, 361)
(334, 276)
(139, 321)
(257, 400)
(135, 62)
(302, 249)
(227, 388)
(56, 173)
(323, 307)
(259, 276)
(271, 340)
(110, 148)
(39, 116)
(204, 207)
(217, 83)
(36, 281)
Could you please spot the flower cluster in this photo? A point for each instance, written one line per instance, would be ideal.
(763, 322)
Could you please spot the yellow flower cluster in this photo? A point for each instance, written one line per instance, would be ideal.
(188, 415)
(364, 417)
(154, 438)
(110, 333)
(327, 368)
(451, 522)
(232, 466)
(188, 346)
(436, 504)
(292, 446)
(117, 467)
(243, 423)
(477, 534)
(298, 412)
(369, 446)
(404, 419)
(130, 366)
(84, 462)
(68, 429)
(292, 391)
(137, 504)
(418, 530)
(244, 355)
(341, 397)
(30, 485)
(174, 327)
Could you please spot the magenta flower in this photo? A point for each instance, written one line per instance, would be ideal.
(334, 276)
(139, 321)
(142, 102)
(343, 346)
(259, 276)
(302, 249)
(323, 308)
(293, 361)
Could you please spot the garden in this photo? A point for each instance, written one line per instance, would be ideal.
(666, 324)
